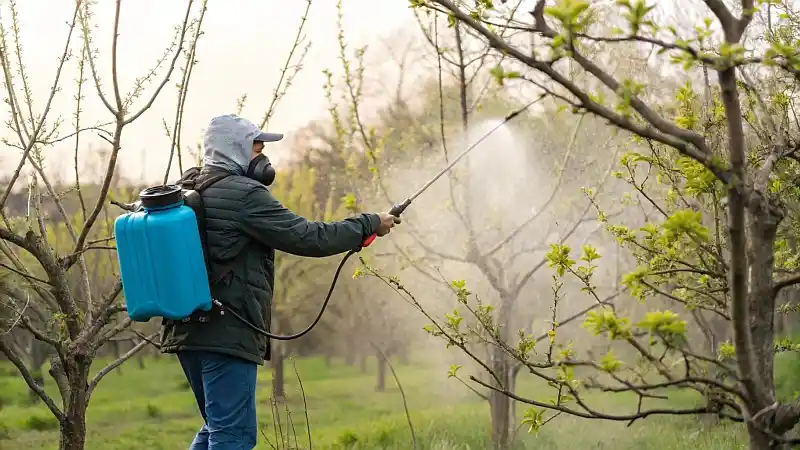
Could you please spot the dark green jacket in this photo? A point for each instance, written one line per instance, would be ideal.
(244, 220)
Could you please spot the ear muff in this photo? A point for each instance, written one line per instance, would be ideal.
(261, 170)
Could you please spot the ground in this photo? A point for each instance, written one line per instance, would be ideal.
(152, 408)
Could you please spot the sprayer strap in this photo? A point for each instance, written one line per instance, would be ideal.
(217, 275)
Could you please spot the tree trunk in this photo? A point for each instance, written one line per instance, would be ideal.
(500, 404)
(502, 408)
(278, 381)
(762, 230)
(73, 424)
(73, 430)
(350, 354)
(380, 385)
(362, 362)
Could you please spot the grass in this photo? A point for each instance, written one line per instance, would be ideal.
(152, 408)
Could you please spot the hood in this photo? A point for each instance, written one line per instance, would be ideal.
(228, 143)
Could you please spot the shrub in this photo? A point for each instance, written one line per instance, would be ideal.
(41, 422)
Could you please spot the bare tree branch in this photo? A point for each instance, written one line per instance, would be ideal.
(32, 384)
(106, 370)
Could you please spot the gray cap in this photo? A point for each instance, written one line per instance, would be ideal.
(268, 137)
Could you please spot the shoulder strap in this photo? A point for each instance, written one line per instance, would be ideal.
(187, 179)
(193, 198)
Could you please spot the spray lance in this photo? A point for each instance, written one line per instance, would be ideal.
(396, 211)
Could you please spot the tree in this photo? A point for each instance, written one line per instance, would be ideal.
(59, 278)
(81, 321)
(738, 158)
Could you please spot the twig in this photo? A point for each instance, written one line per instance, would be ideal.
(133, 351)
(591, 414)
(26, 375)
(402, 393)
(20, 315)
(25, 275)
(121, 121)
(183, 90)
(278, 93)
(305, 403)
(40, 124)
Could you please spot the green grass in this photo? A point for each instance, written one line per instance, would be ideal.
(152, 408)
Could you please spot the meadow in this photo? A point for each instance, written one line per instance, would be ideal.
(152, 408)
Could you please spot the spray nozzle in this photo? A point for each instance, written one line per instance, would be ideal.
(512, 115)
(519, 111)
(398, 209)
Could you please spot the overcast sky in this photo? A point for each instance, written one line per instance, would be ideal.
(245, 45)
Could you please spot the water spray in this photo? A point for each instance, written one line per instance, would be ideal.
(396, 211)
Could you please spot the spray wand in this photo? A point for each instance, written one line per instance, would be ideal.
(399, 208)
(396, 211)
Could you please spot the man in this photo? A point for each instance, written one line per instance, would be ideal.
(245, 224)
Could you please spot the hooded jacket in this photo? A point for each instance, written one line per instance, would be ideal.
(245, 224)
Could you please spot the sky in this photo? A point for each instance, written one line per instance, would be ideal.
(244, 46)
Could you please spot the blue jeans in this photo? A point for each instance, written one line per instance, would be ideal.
(225, 389)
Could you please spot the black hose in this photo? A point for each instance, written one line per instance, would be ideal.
(313, 324)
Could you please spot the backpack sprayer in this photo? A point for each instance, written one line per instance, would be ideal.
(177, 285)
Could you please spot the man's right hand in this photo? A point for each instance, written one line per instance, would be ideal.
(388, 222)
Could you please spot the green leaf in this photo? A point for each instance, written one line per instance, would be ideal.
(534, 418)
(452, 372)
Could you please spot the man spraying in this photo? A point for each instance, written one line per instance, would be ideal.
(244, 225)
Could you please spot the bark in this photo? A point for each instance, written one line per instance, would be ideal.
(33, 397)
(762, 229)
(752, 227)
(39, 355)
(500, 405)
(73, 430)
(73, 425)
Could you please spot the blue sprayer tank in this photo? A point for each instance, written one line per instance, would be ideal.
(161, 259)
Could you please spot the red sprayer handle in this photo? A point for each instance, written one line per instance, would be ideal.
(368, 240)
(395, 211)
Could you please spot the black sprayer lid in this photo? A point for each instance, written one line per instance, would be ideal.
(160, 196)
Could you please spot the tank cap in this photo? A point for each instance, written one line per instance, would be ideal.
(160, 196)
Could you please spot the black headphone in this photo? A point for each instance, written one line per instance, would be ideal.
(261, 170)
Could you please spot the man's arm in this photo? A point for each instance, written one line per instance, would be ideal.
(268, 221)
